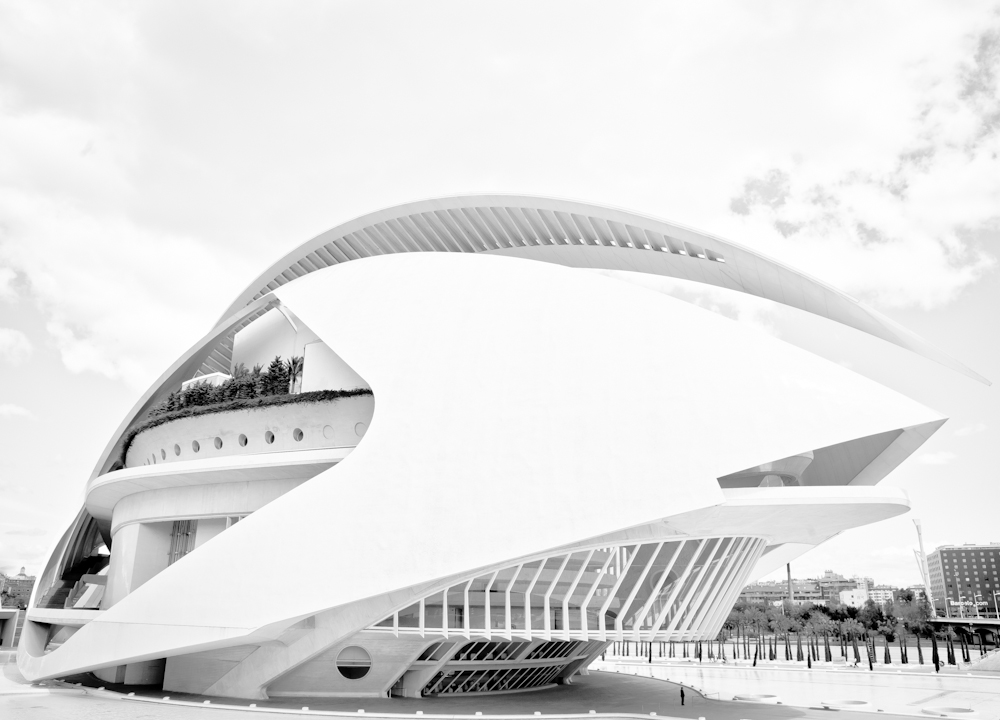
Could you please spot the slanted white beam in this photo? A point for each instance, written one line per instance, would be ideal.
(613, 592)
(572, 589)
(700, 587)
(507, 623)
(548, 595)
(527, 598)
(590, 593)
(745, 555)
(466, 613)
(619, 621)
(641, 616)
(717, 582)
(487, 625)
(682, 583)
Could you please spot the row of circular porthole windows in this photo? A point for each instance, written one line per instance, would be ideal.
(297, 436)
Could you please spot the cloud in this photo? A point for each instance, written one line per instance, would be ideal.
(904, 230)
(97, 278)
(942, 457)
(145, 179)
(26, 531)
(9, 410)
(971, 429)
(771, 191)
(7, 278)
(15, 347)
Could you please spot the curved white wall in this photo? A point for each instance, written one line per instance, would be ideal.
(198, 501)
(334, 423)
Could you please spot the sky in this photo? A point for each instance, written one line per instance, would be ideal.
(156, 156)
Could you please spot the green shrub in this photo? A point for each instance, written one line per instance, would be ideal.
(276, 377)
(245, 384)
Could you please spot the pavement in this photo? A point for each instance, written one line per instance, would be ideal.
(609, 694)
(915, 691)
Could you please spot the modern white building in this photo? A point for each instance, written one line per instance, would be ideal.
(882, 594)
(856, 597)
(493, 463)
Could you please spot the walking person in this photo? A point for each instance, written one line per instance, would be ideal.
(682, 696)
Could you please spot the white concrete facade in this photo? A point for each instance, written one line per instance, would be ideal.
(548, 460)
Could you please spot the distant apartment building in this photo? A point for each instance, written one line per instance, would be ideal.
(882, 594)
(824, 590)
(866, 582)
(775, 592)
(965, 580)
(832, 584)
(15, 590)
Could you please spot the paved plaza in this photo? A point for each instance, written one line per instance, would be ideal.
(607, 693)
(897, 691)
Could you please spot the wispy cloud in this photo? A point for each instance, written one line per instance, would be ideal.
(138, 196)
(902, 232)
(27, 531)
(7, 278)
(971, 430)
(10, 410)
(15, 347)
(942, 457)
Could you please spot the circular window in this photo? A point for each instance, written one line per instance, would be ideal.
(195, 445)
(177, 449)
(359, 429)
(354, 662)
(269, 437)
(163, 454)
(218, 443)
(328, 432)
(297, 434)
(243, 440)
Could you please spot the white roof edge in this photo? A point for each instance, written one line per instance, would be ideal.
(850, 312)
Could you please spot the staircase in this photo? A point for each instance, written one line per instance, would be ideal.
(59, 593)
(17, 628)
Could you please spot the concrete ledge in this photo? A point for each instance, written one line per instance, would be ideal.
(66, 618)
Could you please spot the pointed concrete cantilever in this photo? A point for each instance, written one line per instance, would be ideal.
(582, 235)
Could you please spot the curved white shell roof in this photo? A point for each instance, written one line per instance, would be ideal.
(577, 407)
(579, 234)
(522, 409)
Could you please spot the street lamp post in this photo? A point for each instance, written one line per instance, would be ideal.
(975, 599)
(961, 606)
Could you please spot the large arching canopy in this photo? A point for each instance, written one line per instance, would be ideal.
(580, 235)
(549, 230)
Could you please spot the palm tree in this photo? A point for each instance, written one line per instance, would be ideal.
(784, 625)
(734, 622)
(824, 626)
(852, 629)
(885, 629)
(899, 629)
(293, 366)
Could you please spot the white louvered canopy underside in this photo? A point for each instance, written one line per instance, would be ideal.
(576, 235)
